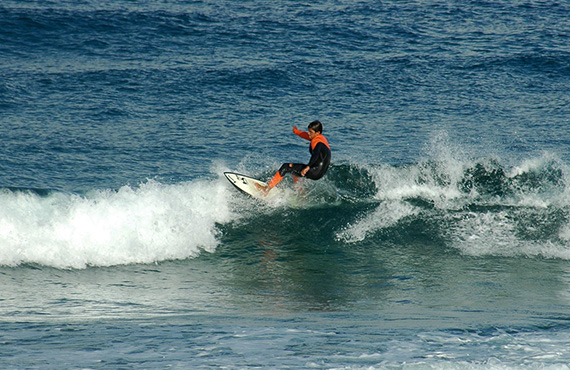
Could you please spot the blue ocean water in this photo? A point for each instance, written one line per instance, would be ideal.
(439, 239)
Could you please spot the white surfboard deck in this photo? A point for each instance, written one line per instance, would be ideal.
(246, 184)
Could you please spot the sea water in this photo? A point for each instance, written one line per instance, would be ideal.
(439, 238)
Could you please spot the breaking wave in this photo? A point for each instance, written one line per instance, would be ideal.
(474, 207)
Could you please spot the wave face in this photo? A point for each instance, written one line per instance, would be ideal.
(474, 207)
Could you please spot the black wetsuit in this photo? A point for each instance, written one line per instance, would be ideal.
(319, 162)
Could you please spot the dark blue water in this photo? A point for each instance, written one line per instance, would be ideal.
(440, 237)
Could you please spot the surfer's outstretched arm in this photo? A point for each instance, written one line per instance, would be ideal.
(303, 134)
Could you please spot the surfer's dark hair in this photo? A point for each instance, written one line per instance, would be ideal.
(316, 126)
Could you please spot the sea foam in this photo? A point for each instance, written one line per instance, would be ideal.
(144, 224)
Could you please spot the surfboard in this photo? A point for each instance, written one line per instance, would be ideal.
(246, 184)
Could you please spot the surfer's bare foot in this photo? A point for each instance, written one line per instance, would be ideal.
(264, 189)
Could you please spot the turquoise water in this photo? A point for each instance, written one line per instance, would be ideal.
(439, 238)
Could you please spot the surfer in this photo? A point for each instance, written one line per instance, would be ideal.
(318, 164)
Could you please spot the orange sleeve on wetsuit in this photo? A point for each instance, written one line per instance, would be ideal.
(303, 134)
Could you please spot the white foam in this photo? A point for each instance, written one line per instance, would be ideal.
(532, 164)
(386, 214)
(484, 233)
(144, 224)
(480, 234)
(435, 182)
(464, 351)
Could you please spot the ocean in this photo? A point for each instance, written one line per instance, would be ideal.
(438, 239)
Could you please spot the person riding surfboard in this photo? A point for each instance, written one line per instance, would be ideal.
(318, 164)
